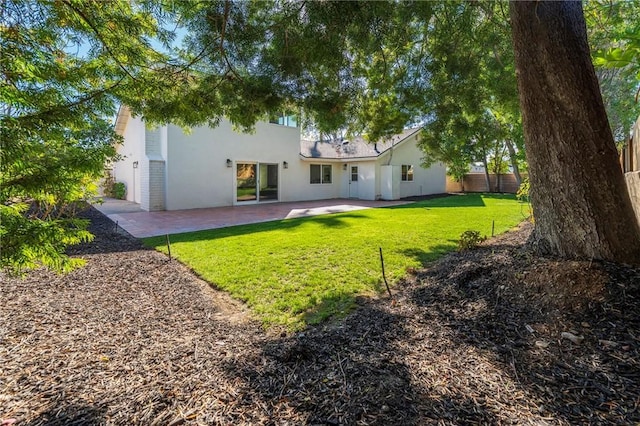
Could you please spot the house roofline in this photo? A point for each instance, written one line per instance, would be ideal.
(122, 118)
(400, 142)
(368, 158)
(337, 160)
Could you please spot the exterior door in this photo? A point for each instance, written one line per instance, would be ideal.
(353, 182)
(256, 182)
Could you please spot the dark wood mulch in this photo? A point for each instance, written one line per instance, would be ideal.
(489, 336)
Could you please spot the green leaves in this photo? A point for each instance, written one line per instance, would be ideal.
(617, 57)
(28, 243)
(64, 67)
(614, 38)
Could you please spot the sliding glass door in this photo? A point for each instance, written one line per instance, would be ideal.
(247, 179)
(256, 182)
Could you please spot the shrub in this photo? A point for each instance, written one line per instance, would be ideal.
(470, 240)
(119, 190)
(112, 188)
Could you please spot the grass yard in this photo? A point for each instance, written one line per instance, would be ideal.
(296, 272)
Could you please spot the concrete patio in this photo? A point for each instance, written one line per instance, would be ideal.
(141, 224)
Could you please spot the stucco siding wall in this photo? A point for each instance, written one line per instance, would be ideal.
(425, 181)
(365, 187)
(197, 172)
(298, 182)
(131, 150)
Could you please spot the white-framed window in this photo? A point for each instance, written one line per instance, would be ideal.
(320, 173)
(407, 173)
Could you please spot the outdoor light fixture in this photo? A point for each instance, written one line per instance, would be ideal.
(229, 163)
(285, 165)
(344, 167)
(135, 164)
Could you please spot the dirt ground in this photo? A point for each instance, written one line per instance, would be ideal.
(495, 335)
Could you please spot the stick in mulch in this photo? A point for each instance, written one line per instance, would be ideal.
(383, 274)
(169, 246)
(115, 228)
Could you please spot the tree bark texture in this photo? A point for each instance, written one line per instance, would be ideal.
(580, 202)
(487, 178)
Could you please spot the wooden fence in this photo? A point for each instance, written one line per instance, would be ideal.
(477, 182)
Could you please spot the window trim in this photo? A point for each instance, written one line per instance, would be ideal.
(407, 173)
(322, 168)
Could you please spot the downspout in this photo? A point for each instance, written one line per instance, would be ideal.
(390, 153)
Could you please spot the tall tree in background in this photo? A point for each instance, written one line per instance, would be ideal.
(374, 67)
(579, 196)
(471, 99)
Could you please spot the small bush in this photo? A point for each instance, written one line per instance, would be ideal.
(119, 190)
(113, 189)
(470, 240)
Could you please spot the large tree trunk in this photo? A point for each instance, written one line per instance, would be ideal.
(487, 177)
(580, 201)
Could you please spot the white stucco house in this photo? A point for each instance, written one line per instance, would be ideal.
(167, 169)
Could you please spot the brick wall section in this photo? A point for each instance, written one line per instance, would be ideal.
(476, 182)
(156, 185)
(152, 173)
(144, 184)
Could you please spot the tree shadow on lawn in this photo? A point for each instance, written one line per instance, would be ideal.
(340, 303)
(431, 255)
(334, 220)
(455, 200)
(455, 349)
(459, 200)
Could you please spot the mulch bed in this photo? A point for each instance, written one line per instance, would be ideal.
(494, 335)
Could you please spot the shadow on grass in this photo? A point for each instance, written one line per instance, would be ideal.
(454, 350)
(334, 221)
(455, 200)
(435, 252)
(340, 304)
(335, 306)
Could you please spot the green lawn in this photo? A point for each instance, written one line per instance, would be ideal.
(295, 272)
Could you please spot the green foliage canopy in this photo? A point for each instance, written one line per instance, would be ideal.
(64, 67)
(371, 67)
(614, 36)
